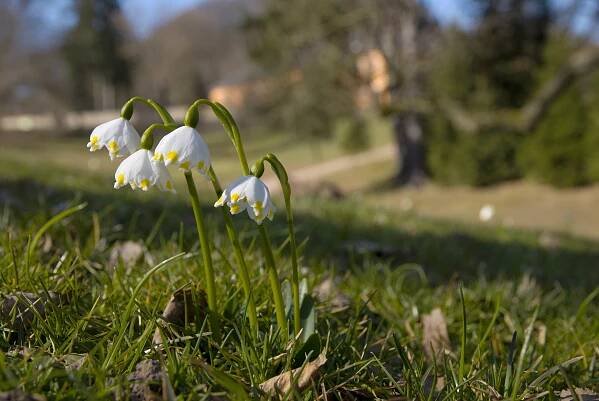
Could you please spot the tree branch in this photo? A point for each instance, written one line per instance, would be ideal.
(528, 117)
(580, 64)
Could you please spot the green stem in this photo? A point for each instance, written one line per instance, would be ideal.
(236, 136)
(281, 173)
(228, 123)
(233, 130)
(243, 270)
(204, 244)
(127, 109)
(147, 138)
(275, 283)
(191, 118)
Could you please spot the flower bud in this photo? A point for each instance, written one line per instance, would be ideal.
(192, 116)
(127, 110)
(258, 168)
(147, 139)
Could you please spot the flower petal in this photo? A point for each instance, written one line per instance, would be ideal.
(185, 148)
(140, 171)
(248, 193)
(118, 136)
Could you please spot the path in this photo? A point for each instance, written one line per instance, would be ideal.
(520, 204)
(316, 172)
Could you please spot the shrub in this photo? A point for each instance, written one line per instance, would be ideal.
(460, 158)
(554, 152)
(352, 134)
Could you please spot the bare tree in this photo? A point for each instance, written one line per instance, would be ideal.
(31, 75)
(182, 59)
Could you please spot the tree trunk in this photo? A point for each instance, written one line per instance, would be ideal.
(409, 132)
(409, 138)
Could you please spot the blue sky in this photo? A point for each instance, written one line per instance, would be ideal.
(448, 11)
(145, 15)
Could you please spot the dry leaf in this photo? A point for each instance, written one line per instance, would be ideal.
(129, 252)
(433, 384)
(185, 306)
(583, 393)
(74, 361)
(20, 308)
(327, 291)
(541, 333)
(357, 394)
(527, 286)
(302, 377)
(46, 243)
(434, 334)
(18, 395)
(147, 381)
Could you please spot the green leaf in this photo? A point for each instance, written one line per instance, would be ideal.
(308, 317)
(303, 289)
(235, 388)
(287, 298)
(309, 350)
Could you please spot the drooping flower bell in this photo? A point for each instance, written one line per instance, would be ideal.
(140, 170)
(185, 148)
(251, 194)
(118, 136)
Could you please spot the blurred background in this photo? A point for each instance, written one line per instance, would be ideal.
(483, 111)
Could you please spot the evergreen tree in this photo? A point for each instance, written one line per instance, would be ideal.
(508, 46)
(311, 47)
(93, 51)
(306, 49)
(461, 100)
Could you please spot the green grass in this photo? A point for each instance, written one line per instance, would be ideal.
(511, 284)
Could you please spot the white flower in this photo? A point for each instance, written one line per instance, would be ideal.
(251, 194)
(140, 170)
(118, 135)
(186, 148)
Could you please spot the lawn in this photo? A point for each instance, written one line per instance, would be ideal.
(510, 314)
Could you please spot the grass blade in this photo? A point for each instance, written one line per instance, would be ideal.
(53, 220)
(129, 310)
(463, 336)
(520, 366)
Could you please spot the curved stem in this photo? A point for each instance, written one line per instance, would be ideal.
(146, 141)
(147, 138)
(161, 110)
(233, 130)
(236, 138)
(243, 270)
(204, 244)
(230, 127)
(232, 234)
(281, 173)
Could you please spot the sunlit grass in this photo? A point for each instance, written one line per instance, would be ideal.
(531, 306)
(369, 321)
